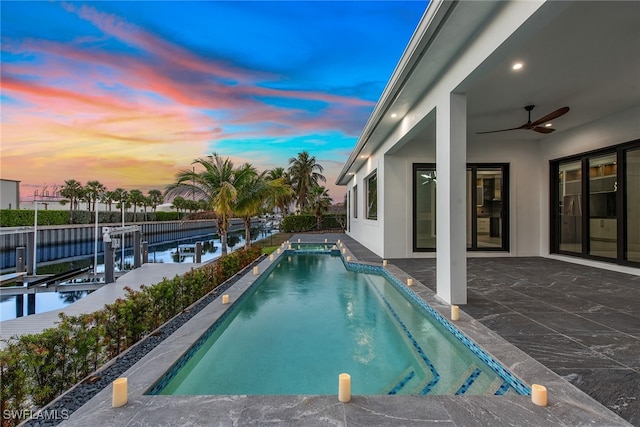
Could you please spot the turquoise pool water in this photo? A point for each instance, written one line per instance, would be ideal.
(308, 320)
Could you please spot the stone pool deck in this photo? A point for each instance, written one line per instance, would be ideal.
(568, 406)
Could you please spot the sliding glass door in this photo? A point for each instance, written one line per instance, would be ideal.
(632, 201)
(570, 206)
(487, 207)
(424, 207)
(490, 212)
(596, 204)
(603, 220)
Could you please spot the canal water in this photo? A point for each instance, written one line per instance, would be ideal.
(12, 306)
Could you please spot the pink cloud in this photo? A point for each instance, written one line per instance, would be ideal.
(84, 113)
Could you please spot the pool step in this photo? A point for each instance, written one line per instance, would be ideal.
(398, 385)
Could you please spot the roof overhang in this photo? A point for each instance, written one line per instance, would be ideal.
(443, 31)
(579, 54)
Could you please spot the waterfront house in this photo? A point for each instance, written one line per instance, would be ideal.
(525, 115)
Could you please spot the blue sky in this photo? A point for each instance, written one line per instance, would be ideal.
(129, 93)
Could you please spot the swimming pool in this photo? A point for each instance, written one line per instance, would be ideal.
(309, 318)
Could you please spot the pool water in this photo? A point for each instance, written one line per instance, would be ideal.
(310, 319)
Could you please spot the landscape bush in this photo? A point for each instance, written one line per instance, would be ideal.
(36, 368)
(298, 223)
(25, 218)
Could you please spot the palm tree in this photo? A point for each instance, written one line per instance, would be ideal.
(136, 198)
(93, 189)
(179, 203)
(121, 196)
(319, 202)
(248, 184)
(254, 190)
(281, 202)
(215, 185)
(146, 202)
(304, 173)
(108, 198)
(156, 198)
(85, 197)
(72, 191)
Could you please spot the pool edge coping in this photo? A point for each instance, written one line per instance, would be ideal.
(565, 400)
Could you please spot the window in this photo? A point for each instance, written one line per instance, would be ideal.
(489, 225)
(595, 203)
(632, 164)
(355, 201)
(487, 207)
(424, 207)
(372, 195)
(348, 207)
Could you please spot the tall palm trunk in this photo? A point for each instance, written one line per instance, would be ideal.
(247, 231)
(222, 230)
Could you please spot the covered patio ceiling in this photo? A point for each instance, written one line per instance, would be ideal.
(588, 58)
(581, 54)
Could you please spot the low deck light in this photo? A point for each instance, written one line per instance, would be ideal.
(539, 394)
(455, 312)
(344, 387)
(119, 396)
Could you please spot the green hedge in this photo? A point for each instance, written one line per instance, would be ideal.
(35, 369)
(21, 218)
(25, 218)
(332, 222)
(296, 223)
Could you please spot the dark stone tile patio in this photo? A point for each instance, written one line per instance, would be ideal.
(581, 322)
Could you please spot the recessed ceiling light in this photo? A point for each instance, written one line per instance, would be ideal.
(517, 66)
(364, 156)
(548, 125)
(394, 115)
(351, 173)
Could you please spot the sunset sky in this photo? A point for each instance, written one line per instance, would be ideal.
(129, 93)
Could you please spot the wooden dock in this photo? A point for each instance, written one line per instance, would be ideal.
(148, 274)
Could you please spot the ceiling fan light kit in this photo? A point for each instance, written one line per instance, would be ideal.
(536, 126)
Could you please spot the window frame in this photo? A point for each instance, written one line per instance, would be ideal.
(621, 204)
(505, 211)
(355, 201)
(367, 182)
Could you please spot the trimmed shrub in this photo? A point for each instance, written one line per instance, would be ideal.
(335, 221)
(295, 223)
(22, 218)
(25, 218)
(35, 369)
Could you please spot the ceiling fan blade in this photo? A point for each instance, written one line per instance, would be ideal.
(542, 129)
(559, 112)
(524, 126)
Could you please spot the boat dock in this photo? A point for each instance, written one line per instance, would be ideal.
(147, 274)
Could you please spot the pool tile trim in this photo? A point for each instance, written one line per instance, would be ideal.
(518, 385)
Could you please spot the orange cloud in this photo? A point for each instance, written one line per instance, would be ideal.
(134, 119)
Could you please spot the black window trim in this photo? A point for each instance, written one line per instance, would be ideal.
(473, 167)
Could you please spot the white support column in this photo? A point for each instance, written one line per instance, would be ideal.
(451, 172)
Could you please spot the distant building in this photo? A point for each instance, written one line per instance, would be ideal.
(9, 194)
